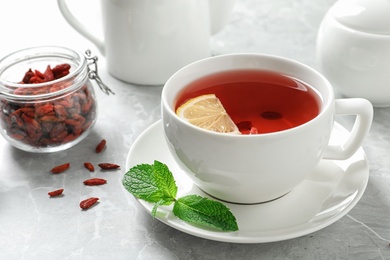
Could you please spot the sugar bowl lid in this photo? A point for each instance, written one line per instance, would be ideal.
(371, 16)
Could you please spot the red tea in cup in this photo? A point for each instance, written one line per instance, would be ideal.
(258, 99)
(258, 88)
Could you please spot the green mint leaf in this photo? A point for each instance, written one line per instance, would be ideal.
(199, 210)
(154, 210)
(152, 183)
(155, 184)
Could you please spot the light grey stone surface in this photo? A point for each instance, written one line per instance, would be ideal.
(36, 227)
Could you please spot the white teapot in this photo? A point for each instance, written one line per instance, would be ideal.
(146, 41)
(353, 49)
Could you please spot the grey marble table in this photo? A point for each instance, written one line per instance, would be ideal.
(36, 227)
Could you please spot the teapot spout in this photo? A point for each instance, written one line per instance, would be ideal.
(220, 11)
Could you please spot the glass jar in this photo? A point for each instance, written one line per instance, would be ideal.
(46, 98)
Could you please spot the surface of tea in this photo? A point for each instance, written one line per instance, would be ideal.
(258, 101)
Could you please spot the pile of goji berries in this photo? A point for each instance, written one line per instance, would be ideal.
(89, 202)
(48, 122)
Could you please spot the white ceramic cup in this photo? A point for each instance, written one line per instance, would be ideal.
(146, 41)
(258, 168)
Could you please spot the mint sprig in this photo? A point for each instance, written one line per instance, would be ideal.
(155, 184)
(199, 210)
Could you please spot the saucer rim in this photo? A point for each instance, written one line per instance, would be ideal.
(166, 216)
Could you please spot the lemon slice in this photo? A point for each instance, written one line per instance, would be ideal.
(207, 112)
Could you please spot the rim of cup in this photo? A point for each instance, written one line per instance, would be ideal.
(172, 87)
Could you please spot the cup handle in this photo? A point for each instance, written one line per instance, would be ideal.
(78, 26)
(363, 110)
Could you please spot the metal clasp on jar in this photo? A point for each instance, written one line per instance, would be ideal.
(93, 72)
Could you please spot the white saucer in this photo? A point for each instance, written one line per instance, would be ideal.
(324, 197)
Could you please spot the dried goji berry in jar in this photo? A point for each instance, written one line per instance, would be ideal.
(27, 76)
(48, 74)
(54, 115)
(61, 70)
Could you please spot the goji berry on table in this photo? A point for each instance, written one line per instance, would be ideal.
(55, 193)
(89, 166)
(60, 168)
(87, 203)
(100, 146)
(108, 166)
(95, 182)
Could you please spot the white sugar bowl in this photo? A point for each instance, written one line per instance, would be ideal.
(353, 49)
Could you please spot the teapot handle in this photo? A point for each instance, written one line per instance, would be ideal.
(78, 26)
(219, 13)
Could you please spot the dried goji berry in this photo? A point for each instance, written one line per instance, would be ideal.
(89, 166)
(80, 97)
(75, 109)
(60, 136)
(60, 112)
(28, 111)
(27, 76)
(60, 168)
(69, 138)
(76, 131)
(72, 122)
(17, 136)
(35, 80)
(66, 102)
(15, 119)
(61, 70)
(32, 127)
(95, 182)
(55, 192)
(39, 74)
(48, 74)
(62, 74)
(87, 203)
(57, 129)
(80, 119)
(57, 86)
(44, 110)
(87, 106)
(30, 121)
(100, 146)
(108, 166)
(51, 119)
